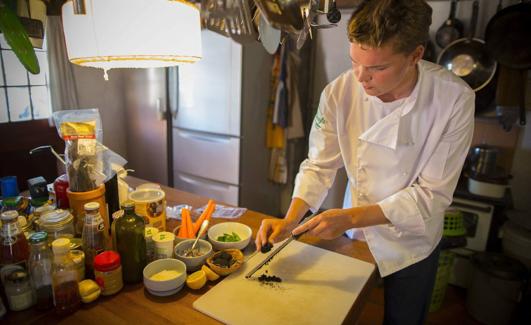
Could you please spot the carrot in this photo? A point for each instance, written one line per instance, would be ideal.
(210, 212)
(189, 226)
(199, 221)
(183, 231)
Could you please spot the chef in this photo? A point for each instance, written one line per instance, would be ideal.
(401, 127)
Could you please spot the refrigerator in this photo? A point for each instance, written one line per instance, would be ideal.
(219, 108)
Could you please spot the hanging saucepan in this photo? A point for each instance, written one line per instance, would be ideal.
(450, 30)
(468, 57)
(508, 41)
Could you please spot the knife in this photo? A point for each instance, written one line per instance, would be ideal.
(276, 251)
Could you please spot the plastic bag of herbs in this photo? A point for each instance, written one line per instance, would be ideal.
(88, 161)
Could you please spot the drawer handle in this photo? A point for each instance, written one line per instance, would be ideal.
(203, 182)
(206, 138)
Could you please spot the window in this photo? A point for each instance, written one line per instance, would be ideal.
(23, 96)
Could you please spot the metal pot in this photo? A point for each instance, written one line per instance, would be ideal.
(483, 160)
(451, 29)
(468, 58)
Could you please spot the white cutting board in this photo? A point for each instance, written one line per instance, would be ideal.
(318, 287)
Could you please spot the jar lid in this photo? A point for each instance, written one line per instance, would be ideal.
(91, 206)
(163, 237)
(42, 209)
(18, 276)
(106, 261)
(12, 202)
(56, 217)
(38, 237)
(147, 195)
(9, 215)
(61, 246)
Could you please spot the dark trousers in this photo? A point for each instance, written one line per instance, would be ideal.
(407, 293)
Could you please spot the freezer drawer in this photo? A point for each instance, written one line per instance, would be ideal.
(205, 155)
(220, 192)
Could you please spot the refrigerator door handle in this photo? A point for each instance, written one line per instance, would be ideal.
(214, 185)
(161, 109)
(204, 137)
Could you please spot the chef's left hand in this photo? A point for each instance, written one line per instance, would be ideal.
(328, 225)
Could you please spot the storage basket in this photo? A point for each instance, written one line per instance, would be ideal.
(446, 260)
(453, 223)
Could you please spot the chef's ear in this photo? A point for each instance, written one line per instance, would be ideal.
(417, 54)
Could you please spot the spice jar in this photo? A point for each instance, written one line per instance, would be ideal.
(108, 272)
(78, 256)
(64, 278)
(58, 224)
(150, 244)
(18, 290)
(40, 267)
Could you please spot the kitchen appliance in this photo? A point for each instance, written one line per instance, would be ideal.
(219, 125)
(477, 219)
(486, 178)
(326, 283)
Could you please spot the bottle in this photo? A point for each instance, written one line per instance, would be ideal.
(64, 279)
(14, 245)
(115, 216)
(40, 267)
(18, 290)
(131, 243)
(94, 235)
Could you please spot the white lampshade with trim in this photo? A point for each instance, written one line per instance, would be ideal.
(132, 33)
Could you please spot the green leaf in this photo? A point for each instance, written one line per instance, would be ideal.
(17, 38)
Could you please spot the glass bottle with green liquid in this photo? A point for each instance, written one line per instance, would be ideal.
(131, 243)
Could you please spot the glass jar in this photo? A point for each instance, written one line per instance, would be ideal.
(58, 224)
(64, 279)
(14, 247)
(18, 290)
(108, 272)
(37, 213)
(94, 235)
(78, 256)
(150, 244)
(40, 267)
(131, 243)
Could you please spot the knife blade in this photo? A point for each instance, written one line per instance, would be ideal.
(278, 249)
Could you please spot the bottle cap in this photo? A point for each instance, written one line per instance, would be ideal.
(38, 237)
(61, 246)
(9, 215)
(17, 276)
(91, 206)
(106, 261)
(128, 204)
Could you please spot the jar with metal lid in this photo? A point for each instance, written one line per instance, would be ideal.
(37, 213)
(58, 224)
(108, 272)
(40, 268)
(18, 290)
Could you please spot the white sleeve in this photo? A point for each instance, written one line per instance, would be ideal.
(433, 190)
(317, 172)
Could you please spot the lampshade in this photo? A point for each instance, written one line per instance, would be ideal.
(132, 33)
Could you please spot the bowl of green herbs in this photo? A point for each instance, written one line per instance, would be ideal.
(227, 235)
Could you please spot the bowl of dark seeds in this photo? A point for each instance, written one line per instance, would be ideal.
(225, 261)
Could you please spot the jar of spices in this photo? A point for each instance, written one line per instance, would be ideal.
(78, 256)
(64, 278)
(150, 244)
(18, 290)
(58, 224)
(108, 272)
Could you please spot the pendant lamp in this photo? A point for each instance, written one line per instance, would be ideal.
(111, 34)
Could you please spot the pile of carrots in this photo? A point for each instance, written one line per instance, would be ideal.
(188, 228)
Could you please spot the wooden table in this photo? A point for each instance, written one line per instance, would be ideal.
(134, 305)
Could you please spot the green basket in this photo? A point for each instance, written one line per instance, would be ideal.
(453, 223)
(446, 260)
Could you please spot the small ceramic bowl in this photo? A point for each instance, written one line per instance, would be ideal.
(217, 230)
(237, 256)
(193, 263)
(167, 287)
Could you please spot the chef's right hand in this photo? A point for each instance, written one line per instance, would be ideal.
(273, 231)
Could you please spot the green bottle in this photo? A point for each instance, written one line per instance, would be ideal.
(131, 243)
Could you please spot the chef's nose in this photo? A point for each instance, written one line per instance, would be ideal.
(363, 74)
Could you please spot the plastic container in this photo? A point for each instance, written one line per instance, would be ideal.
(78, 256)
(496, 287)
(163, 244)
(57, 224)
(108, 272)
(446, 260)
(150, 203)
(77, 201)
(453, 223)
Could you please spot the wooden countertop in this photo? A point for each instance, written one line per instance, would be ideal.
(135, 305)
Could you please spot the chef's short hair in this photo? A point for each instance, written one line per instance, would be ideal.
(404, 22)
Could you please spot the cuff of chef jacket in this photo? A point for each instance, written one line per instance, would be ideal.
(314, 200)
(402, 211)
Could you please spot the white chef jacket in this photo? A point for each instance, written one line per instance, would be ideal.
(406, 156)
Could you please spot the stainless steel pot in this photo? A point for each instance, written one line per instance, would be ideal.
(483, 160)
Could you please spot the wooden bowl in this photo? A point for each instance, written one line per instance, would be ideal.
(236, 254)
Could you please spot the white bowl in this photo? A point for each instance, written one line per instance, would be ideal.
(243, 231)
(193, 263)
(164, 287)
(165, 293)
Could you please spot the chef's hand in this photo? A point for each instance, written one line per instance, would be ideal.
(328, 225)
(273, 231)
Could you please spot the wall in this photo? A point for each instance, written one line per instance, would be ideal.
(108, 97)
